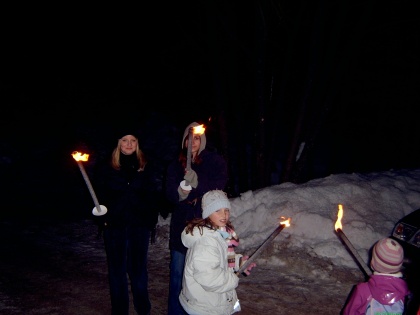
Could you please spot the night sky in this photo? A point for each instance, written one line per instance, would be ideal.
(264, 77)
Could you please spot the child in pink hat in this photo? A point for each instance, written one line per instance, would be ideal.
(386, 285)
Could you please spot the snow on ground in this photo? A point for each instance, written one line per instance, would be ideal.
(59, 267)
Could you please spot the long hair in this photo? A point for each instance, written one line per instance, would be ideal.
(116, 153)
(201, 223)
(183, 158)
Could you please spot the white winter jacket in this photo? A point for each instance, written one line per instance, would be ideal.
(208, 286)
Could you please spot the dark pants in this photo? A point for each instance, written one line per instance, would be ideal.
(175, 283)
(126, 250)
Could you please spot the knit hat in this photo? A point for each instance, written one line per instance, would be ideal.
(126, 130)
(202, 136)
(213, 201)
(387, 256)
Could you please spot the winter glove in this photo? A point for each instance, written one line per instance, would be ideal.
(238, 262)
(234, 242)
(191, 178)
(247, 271)
(185, 186)
(182, 194)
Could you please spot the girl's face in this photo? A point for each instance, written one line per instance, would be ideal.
(128, 144)
(220, 217)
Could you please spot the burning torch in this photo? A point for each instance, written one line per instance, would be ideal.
(197, 130)
(79, 157)
(338, 228)
(259, 250)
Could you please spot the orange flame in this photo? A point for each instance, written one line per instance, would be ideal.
(79, 156)
(286, 222)
(338, 224)
(199, 130)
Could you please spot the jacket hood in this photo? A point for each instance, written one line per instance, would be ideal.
(188, 240)
(387, 289)
(203, 137)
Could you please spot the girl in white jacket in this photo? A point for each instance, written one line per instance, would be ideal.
(208, 285)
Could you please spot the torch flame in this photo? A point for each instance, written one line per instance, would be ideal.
(286, 222)
(79, 156)
(199, 130)
(338, 224)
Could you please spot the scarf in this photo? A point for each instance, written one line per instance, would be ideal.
(129, 166)
(232, 241)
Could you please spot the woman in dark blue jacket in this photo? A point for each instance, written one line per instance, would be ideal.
(126, 189)
(208, 172)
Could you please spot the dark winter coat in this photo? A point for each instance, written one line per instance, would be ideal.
(386, 289)
(212, 174)
(129, 195)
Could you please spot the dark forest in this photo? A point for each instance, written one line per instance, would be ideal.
(287, 90)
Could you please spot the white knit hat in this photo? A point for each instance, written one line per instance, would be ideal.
(213, 201)
(202, 136)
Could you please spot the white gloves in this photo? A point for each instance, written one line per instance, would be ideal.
(191, 178)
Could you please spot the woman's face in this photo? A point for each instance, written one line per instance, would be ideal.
(220, 217)
(128, 144)
(195, 144)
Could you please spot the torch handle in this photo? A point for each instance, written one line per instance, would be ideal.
(260, 249)
(189, 152)
(88, 183)
(366, 271)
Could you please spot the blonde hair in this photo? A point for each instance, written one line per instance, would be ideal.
(116, 153)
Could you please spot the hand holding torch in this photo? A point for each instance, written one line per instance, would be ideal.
(79, 157)
(272, 236)
(197, 130)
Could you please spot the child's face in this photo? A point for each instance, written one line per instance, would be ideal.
(220, 217)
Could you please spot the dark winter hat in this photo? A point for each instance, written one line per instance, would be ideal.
(387, 256)
(202, 136)
(214, 200)
(126, 130)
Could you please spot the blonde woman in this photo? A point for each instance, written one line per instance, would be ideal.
(126, 189)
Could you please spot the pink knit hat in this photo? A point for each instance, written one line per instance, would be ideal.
(387, 256)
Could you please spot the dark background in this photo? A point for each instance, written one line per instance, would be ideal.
(263, 76)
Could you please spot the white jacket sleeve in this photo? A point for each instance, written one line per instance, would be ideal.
(210, 268)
